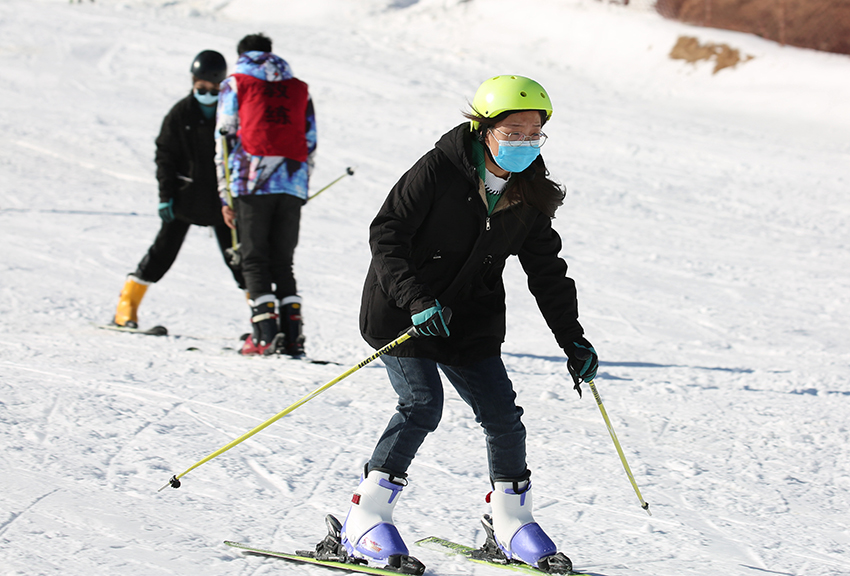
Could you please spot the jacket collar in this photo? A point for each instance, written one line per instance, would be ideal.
(456, 144)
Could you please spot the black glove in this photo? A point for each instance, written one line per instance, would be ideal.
(583, 362)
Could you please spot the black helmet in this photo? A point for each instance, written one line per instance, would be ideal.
(209, 65)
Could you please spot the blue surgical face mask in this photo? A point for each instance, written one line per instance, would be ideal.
(205, 99)
(516, 156)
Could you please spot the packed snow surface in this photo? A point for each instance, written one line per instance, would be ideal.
(706, 226)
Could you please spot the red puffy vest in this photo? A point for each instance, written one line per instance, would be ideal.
(272, 117)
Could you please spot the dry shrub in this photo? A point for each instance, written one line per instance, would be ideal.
(688, 48)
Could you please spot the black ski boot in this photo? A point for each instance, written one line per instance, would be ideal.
(264, 338)
(291, 327)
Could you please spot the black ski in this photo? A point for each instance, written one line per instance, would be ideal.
(312, 360)
(229, 350)
(280, 353)
(153, 331)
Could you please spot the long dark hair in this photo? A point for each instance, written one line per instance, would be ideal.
(531, 186)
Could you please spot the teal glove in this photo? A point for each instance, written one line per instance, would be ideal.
(166, 210)
(430, 322)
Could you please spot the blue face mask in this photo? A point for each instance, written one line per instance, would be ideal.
(516, 158)
(205, 99)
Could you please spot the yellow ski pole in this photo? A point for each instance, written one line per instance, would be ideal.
(643, 503)
(348, 172)
(174, 482)
(234, 238)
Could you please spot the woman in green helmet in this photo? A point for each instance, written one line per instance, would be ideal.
(441, 240)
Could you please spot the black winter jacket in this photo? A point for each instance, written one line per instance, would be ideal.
(434, 221)
(185, 164)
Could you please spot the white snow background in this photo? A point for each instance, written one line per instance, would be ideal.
(706, 225)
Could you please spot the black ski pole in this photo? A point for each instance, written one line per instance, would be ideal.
(348, 172)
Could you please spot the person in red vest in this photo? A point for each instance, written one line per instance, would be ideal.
(266, 119)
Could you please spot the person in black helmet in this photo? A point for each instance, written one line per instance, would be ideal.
(188, 187)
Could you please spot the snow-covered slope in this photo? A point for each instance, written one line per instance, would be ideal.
(706, 227)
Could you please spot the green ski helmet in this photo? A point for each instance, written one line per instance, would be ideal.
(502, 93)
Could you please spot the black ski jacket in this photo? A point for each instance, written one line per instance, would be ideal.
(185, 164)
(433, 228)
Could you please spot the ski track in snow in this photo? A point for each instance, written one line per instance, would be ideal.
(706, 225)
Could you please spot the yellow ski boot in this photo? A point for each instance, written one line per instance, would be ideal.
(128, 303)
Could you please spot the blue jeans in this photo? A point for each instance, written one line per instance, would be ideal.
(484, 385)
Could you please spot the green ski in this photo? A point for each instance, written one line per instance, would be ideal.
(347, 566)
(448, 547)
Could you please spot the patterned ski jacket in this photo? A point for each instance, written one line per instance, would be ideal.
(268, 118)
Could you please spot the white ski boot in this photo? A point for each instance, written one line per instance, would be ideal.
(512, 530)
(369, 532)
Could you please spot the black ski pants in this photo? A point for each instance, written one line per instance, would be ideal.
(163, 252)
(268, 227)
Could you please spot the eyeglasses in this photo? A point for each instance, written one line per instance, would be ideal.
(535, 140)
(203, 91)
